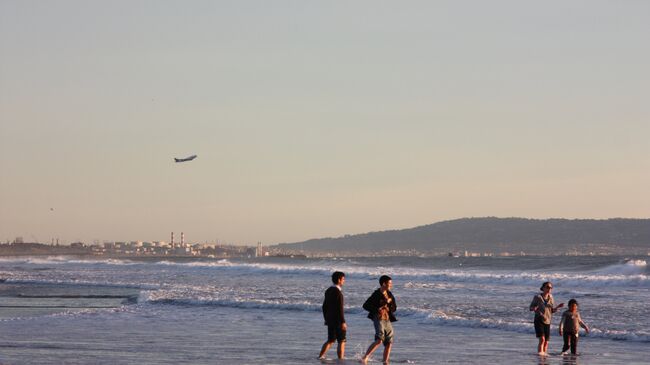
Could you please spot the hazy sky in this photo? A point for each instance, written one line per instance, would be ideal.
(317, 118)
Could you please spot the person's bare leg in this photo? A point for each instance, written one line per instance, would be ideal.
(540, 345)
(545, 345)
(387, 348)
(340, 351)
(323, 350)
(373, 346)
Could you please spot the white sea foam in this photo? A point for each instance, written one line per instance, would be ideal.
(63, 260)
(451, 319)
(84, 282)
(628, 274)
(441, 318)
(432, 286)
(237, 303)
(219, 263)
(638, 336)
(595, 279)
(630, 267)
(435, 317)
(210, 298)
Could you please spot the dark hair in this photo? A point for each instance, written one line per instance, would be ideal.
(336, 276)
(573, 301)
(383, 279)
(544, 284)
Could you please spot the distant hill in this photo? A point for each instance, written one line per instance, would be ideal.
(496, 235)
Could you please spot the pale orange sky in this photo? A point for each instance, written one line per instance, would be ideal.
(315, 119)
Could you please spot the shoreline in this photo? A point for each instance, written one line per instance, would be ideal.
(299, 256)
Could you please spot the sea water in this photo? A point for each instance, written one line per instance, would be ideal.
(64, 310)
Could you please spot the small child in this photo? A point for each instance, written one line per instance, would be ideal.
(569, 325)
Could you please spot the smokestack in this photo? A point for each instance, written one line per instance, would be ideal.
(172, 239)
(182, 239)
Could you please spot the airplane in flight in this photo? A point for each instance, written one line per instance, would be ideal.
(185, 159)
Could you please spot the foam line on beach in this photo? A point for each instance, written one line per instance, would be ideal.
(234, 303)
(630, 267)
(441, 318)
(625, 274)
(63, 260)
(435, 317)
(180, 298)
(69, 311)
(628, 274)
(616, 275)
(82, 283)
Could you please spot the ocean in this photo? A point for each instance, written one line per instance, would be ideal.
(474, 310)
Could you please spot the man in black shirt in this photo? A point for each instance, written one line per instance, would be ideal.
(381, 309)
(334, 316)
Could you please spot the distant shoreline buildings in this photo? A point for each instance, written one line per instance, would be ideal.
(133, 248)
(162, 249)
(466, 237)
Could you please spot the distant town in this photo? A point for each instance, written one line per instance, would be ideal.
(466, 237)
(139, 249)
(161, 249)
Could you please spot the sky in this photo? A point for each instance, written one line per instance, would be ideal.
(317, 118)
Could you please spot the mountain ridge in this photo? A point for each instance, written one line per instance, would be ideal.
(493, 234)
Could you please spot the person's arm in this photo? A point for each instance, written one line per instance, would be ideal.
(561, 328)
(325, 308)
(341, 308)
(583, 324)
(384, 299)
(371, 304)
(384, 302)
(534, 305)
(553, 307)
(392, 304)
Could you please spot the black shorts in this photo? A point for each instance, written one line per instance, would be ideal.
(335, 332)
(542, 329)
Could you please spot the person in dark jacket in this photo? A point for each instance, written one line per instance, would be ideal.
(381, 309)
(334, 316)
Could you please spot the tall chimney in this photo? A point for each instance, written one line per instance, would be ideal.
(182, 239)
(172, 239)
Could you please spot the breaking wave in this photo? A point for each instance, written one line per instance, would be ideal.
(234, 303)
(62, 260)
(628, 274)
(423, 316)
(630, 267)
(618, 275)
(444, 319)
